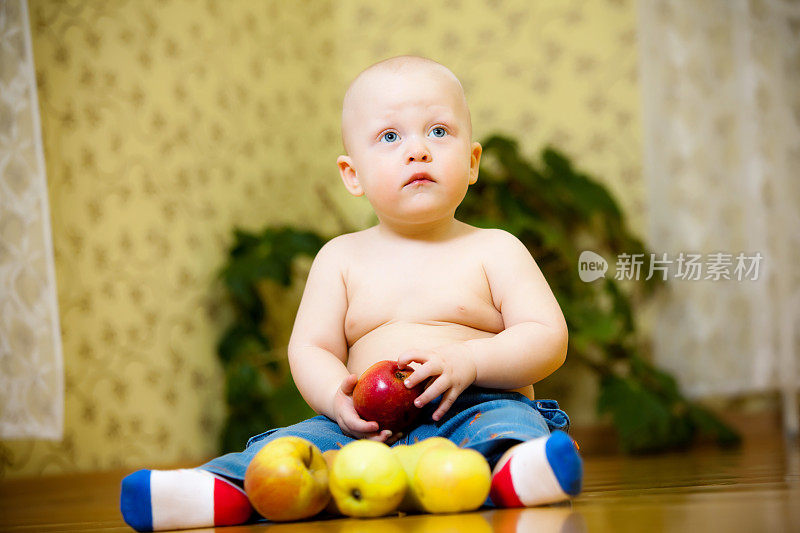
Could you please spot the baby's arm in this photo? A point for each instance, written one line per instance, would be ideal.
(534, 342)
(318, 346)
(531, 347)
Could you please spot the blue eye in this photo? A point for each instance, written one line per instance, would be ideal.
(389, 137)
(438, 131)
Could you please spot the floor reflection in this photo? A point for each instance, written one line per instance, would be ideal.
(752, 489)
(556, 519)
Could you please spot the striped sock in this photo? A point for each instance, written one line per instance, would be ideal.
(539, 471)
(154, 500)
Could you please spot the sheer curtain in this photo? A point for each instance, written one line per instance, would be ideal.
(721, 96)
(31, 372)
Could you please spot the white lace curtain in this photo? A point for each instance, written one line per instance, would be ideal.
(31, 372)
(721, 95)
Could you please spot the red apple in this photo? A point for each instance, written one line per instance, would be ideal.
(381, 396)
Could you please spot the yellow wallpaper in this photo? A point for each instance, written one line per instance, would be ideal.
(167, 123)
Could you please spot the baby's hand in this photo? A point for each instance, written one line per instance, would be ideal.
(456, 371)
(349, 420)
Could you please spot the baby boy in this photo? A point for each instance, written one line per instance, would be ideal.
(467, 308)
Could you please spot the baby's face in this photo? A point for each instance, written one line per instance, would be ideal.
(409, 145)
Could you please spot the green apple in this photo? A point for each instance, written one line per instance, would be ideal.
(409, 456)
(366, 479)
(287, 480)
(450, 480)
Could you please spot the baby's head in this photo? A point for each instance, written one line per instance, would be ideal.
(406, 118)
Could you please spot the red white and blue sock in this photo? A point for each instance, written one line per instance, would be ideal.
(155, 500)
(539, 471)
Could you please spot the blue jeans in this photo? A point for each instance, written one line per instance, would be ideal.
(485, 420)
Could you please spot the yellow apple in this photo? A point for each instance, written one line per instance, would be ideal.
(451, 481)
(287, 480)
(329, 456)
(366, 479)
(409, 456)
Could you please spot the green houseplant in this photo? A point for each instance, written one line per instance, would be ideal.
(556, 211)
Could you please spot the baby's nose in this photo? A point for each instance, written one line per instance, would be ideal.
(419, 153)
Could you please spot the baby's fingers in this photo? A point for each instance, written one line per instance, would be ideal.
(358, 425)
(383, 436)
(419, 375)
(436, 388)
(348, 384)
(447, 401)
(416, 356)
(393, 437)
(365, 429)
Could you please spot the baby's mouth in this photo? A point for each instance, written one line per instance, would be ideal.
(419, 178)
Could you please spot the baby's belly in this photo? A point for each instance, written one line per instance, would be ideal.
(391, 339)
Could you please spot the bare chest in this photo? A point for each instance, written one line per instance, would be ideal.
(445, 288)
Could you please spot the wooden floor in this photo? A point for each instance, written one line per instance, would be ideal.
(755, 488)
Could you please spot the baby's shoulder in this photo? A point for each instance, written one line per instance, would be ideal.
(339, 250)
(332, 255)
(496, 240)
(347, 243)
(500, 250)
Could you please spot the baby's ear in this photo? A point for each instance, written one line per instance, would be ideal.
(349, 176)
(474, 162)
